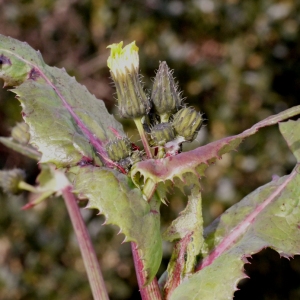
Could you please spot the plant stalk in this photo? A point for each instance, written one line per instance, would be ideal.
(86, 247)
(27, 187)
(150, 291)
(140, 128)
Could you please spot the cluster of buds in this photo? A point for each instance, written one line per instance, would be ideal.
(168, 122)
(177, 122)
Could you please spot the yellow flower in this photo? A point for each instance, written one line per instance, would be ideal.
(124, 65)
(122, 59)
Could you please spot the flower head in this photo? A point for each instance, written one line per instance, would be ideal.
(121, 59)
(124, 64)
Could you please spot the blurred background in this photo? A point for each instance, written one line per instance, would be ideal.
(236, 61)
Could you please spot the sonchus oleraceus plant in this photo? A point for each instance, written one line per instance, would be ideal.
(84, 152)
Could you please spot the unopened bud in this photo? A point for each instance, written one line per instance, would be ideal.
(162, 133)
(20, 133)
(187, 123)
(118, 149)
(165, 96)
(10, 180)
(124, 64)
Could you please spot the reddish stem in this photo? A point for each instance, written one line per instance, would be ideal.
(150, 291)
(86, 247)
(176, 275)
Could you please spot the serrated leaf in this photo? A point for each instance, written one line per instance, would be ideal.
(268, 217)
(188, 228)
(195, 162)
(26, 150)
(290, 131)
(67, 123)
(114, 195)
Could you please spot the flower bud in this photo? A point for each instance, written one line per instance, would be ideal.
(20, 133)
(162, 133)
(165, 96)
(10, 180)
(187, 123)
(124, 64)
(118, 149)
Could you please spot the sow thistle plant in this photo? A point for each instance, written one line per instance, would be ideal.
(84, 153)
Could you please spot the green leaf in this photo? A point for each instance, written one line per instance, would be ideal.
(188, 229)
(290, 131)
(189, 223)
(21, 148)
(268, 217)
(114, 195)
(195, 162)
(189, 163)
(67, 124)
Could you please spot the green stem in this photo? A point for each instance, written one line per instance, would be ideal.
(142, 133)
(26, 187)
(149, 189)
(151, 290)
(86, 247)
(40, 198)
